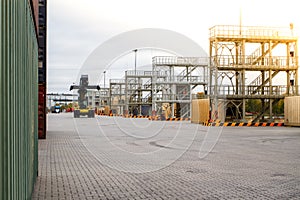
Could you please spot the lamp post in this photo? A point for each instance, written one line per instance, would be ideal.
(135, 54)
(104, 79)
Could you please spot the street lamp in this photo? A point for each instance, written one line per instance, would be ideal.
(104, 78)
(135, 54)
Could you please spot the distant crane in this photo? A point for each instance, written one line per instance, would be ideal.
(83, 108)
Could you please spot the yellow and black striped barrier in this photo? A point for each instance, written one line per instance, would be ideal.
(136, 116)
(178, 119)
(111, 115)
(233, 124)
(125, 116)
(157, 118)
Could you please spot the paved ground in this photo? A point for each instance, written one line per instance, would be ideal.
(116, 158)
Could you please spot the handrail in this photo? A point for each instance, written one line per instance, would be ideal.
(182, 61)
(250, 31)
(245, 60)
(117, 81)
(249, 90)
(144, 73)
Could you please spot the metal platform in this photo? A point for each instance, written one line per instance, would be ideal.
(183, 75)
(237, 50)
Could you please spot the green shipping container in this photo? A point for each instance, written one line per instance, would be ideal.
(18, 100)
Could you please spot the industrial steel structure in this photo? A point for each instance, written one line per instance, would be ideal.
(243, 64)
(235, 53)
(138, 93)
(98, 98)
(170, 83)
(117, 95)
(174, 80)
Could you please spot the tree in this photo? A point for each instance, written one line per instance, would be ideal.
(279, 107)
(253, 105)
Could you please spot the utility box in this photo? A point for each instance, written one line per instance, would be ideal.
(292, 111)
(200, 111)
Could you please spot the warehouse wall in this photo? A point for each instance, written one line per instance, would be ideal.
(18, 100)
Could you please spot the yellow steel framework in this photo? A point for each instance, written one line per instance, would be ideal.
(238, 51)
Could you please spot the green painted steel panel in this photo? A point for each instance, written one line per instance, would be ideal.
(18, 100)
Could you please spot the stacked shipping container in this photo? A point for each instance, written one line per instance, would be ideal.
(42, 29)
(18, 99)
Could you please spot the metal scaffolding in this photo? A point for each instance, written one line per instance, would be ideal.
(117, 95)
(235, 53)
(138, 96)
(98, 99)
(170, 83)
(173, 82)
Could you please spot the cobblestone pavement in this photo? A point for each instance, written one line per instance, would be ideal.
(78, 162)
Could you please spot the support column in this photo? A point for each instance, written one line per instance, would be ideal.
(270, 81)
(288, 82)
(262, 82)
(243, 53)
(271, 109)
(244, 93)
(262, 92)
(140, 95)
(210, 67)
(270, 93)
(126, 94)
(237, 62)
(215, 114)
(262, 52)
(288, 65)
(154, 89)
(244, 109)
(296, 71)
(215, 110)
(262, 108)
(110, 95)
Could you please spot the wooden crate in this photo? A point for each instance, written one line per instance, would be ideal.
(200, 110)
(292, 111)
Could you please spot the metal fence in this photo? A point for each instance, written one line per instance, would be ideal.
(18, 100)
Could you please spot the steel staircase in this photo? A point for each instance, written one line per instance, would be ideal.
(258, 83)
(264, 110)
(184, 73)
(259, 54)
(185, 111)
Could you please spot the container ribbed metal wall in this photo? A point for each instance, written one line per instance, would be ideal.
(18, 100)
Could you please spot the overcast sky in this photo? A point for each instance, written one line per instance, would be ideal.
(76, 27)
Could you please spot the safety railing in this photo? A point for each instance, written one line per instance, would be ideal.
(277, 62)
(173, 97)
(183, 79)
(277, 90)
(250, 31)
(180, 61)
(114, 81)
(142, 73)
(140, 101)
